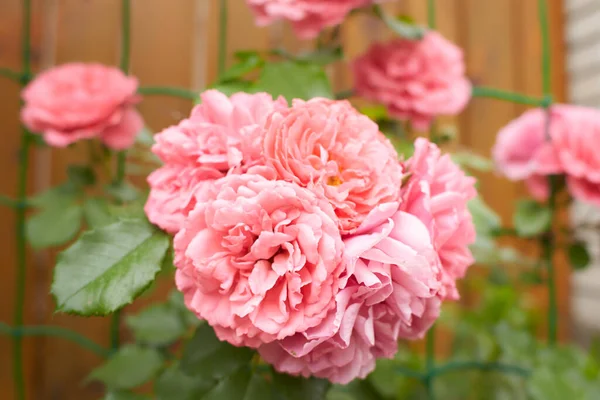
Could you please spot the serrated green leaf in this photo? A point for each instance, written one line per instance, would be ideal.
(247, 64)
(65, 193)
(297, 388)
(129, 367)
(404, 29)
(485, 219)
(531, 218)
(81, 175)
(579, 257)
(108, 267)
(206, 357)
(470, 160)
(96, 212)
(125, 395)
(176, 301)
(124, 192)
(157, 325)
(174, 384)
(294, 81)
(54, 225)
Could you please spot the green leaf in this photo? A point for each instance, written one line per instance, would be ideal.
(297, 388)
(64, 193)
(124, 191)
(96, 212)
(579, 257)
(176, 301)
(250, 62)
(130, 367)
(232, 87)
(294, 81)
(81, 175)
(206, 357)
(108, 267)
(145, 137)
(55, 225)
(322, 56)
(125, 395)
(405, 29)
(174, 384)
(532, 218)
(485, 219)
(157, 325)
(470, 160)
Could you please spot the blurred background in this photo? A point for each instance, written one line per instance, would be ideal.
(174, 43)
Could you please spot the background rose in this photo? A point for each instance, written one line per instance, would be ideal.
(82, 101)
(259, 259)
(222, 133)
(416, 80)
(391, 292)
(437, 193)
(329, 147)
(308, 17)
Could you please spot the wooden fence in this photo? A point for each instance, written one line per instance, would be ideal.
(174, 43)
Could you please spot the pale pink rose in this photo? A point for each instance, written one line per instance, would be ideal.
(79, 101)
(437, 193)
(330, 148)
(221, 135)
(308, 17)
(259, 259)
(417, 80)
(391, 292)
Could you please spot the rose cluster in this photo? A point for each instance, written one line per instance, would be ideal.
(300, 232)
(537, 145)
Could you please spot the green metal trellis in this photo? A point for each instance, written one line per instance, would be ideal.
(18, 331)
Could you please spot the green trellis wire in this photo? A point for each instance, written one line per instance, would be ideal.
(18, 331)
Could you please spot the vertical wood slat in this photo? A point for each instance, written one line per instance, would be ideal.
(176, 44)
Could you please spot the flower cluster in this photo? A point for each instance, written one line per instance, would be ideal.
(79, 101)
(299, 232)
(530, 148)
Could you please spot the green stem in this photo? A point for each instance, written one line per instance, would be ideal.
(20, 214)
(477, 365)
(481, 91)
(124, 64)
(168, 91)
(430, 362)
(222, 36)
(548, 240)
(431, 14)
(546, 50)
(345, 94)
(10, 74)
(55, 331)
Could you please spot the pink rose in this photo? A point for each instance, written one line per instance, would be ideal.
(259, 259)
(308, 17)
(416, 80)
(437, 193)
(82, 101)
(522, 151)
(391, 293)
(330, 148)
(220, 135)
(575, 150)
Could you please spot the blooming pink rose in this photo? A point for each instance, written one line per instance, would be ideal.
(259, 259)
(575, 150)
(522, 151)
(437, 193)
(391, 293)
(220, 135)
(329, 147)
(82, 101)
(308, 17)
(416, 80)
